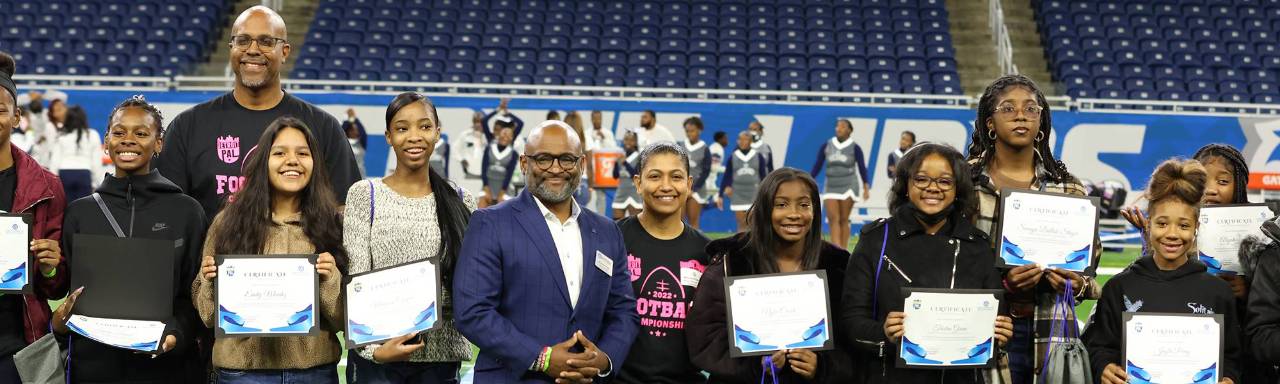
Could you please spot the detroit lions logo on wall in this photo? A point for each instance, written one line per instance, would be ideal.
(229, 149)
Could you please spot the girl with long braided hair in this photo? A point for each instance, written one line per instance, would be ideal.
(1010, 149)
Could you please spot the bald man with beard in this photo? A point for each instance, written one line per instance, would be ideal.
(542, 286)
(206, 145)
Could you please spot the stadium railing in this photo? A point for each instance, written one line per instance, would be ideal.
(197, 83)
(1000, 33)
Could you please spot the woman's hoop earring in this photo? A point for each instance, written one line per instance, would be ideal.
(1039, 136)
(991, 134)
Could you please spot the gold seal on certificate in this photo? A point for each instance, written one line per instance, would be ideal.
(949, 328)
(1172, 348)
(393, 301)
(267, 295)
(1223, 228)
(16, 262)
(778, 311)
(1051, 230)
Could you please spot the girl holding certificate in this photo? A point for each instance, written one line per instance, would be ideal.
(26, 188)
(846, 180)
(1010, 149)
(1168, 279)
(929, 242)
(145, 205)
(285, 206)
(785, 235)
(667, 259)
(414, 213)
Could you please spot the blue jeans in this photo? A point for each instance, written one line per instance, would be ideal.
(363, 371)
(1022, 352)
(324, 374)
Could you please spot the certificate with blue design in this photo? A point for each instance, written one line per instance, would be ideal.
(137, 335)
(949, 328)
(1173, 347)
(769, 313)
(1223, 228)
(391, 302)
(1051, 230)
(16, 261)
(267, 295)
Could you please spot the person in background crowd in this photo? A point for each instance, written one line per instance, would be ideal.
(286, 207)
(505, 119)
(358, 138)
(758, 144)
(541, 287)
(142, 204)
(626, 199)
(411, 214)
(77, 155)
(472, 146)
(930, 201)
(46, 126)
(700, 161)
(659, 246)
(785, 236)
(21, 137)
(583, 194)
(1011, 150)
(720, 141)
(553, 115)
(27, 188)
(598, 139)
(497, 167)
(846, 180)
(743, 172)
(207, 144)
(905, 141)
(650, 131)
(1168, 278)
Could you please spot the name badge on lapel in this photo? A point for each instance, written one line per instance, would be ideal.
(604, 263)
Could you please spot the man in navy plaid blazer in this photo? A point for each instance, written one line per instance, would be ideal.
(541, 285)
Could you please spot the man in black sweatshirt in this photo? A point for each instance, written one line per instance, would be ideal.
(207, 145)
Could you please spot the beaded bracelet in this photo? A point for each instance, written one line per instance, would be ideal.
(546, 359)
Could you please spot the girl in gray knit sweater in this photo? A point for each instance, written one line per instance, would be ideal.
(412, 214)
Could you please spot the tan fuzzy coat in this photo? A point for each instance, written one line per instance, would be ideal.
(294, 352)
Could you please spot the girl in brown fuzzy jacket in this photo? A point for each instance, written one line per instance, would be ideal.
(285, 207)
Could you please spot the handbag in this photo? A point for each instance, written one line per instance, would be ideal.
(41, 362)
(1067, 361)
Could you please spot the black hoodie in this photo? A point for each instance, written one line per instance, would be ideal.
(150, 207)
(1143, 287)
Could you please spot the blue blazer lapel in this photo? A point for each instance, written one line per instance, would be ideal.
(589, 273)
(530, 217)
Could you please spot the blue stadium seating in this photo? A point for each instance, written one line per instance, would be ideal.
(1182, 50)
(110, 37)
(765, 44)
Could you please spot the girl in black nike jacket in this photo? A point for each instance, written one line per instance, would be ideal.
(145, 205)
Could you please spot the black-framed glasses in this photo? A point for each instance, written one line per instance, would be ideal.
(244, 41)
(944, 183)
(544, 161)
(1031, 110)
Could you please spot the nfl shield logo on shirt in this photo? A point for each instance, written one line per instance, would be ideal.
(229, 149)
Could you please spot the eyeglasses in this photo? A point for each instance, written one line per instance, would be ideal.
(544, 161)
(1031, 110)
(244, 41)
(944, 183)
